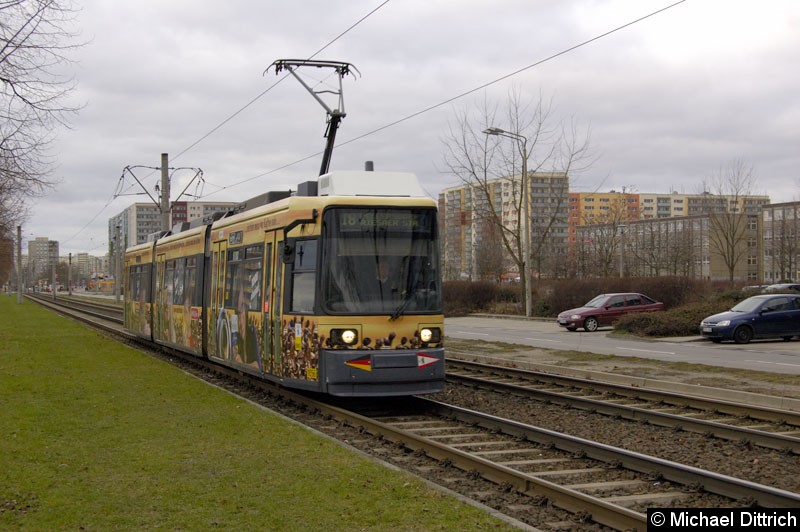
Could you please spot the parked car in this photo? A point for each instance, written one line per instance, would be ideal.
(761, 316)
(754, 289)
(605, 309)
(782, 288)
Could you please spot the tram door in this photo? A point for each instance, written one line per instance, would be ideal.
(217, 310)
(272, 308)
(160, 299)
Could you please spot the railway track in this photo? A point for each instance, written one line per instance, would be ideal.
(614, 486)
(539, 477)
(93, 308)
(751, 424)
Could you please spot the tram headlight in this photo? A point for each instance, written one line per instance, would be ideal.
(349, 336)
(346, 337)
(430, 335)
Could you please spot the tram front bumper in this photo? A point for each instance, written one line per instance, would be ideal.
(383, 371)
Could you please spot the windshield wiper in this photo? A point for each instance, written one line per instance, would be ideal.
(402, 307)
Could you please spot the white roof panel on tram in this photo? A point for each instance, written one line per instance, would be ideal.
(354, 183)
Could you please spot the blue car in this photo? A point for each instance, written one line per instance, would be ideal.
(762, 316)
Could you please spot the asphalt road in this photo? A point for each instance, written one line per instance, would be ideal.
(776, 356)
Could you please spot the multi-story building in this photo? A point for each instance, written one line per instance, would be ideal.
(473, 216)
(186, 211)
(42, 257)
(707, 203)
(780, 238)
(716, 246)
(136, 223)
(622, 207)
(82, 264)
(587, 208)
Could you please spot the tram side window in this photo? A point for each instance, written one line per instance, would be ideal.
(304, 274)
(169, 281)
(253, 259)
(184, 283)
(133, 287)
(232, 276)
(191, 295)
(243, 278)
(267, 278)
(145, 273)
(179, 273)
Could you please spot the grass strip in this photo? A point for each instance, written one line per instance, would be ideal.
(99, 436)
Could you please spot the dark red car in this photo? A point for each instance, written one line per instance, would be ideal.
(605, 309)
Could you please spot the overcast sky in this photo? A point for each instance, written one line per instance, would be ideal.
(669, 100)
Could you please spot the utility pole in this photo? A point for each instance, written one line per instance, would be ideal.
(621, 228)
(162, 202)
(69, 275)
(20, 284)
(53, 261)
(117, 269)
(165, 226)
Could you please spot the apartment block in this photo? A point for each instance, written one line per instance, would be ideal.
(780, 238)
(472, 242)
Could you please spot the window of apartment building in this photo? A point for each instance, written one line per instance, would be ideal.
(752, 260)
(752, 225)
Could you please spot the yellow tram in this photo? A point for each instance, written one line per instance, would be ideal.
(335, 288)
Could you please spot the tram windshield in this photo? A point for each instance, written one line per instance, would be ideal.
(380, 261)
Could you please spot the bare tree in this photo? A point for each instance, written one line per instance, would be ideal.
(489, 263)
(603, 235)
(492, 166)
(597, 250)
(724, 202)
(35, 44)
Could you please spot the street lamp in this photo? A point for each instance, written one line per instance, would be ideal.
(621, 228)
(522, 144)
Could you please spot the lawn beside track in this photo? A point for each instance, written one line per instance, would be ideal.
(95, 435)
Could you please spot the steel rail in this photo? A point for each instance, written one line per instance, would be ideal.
(772, 440)
(603, 512)
(712, 482)
(769, 440)
(732, 408)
